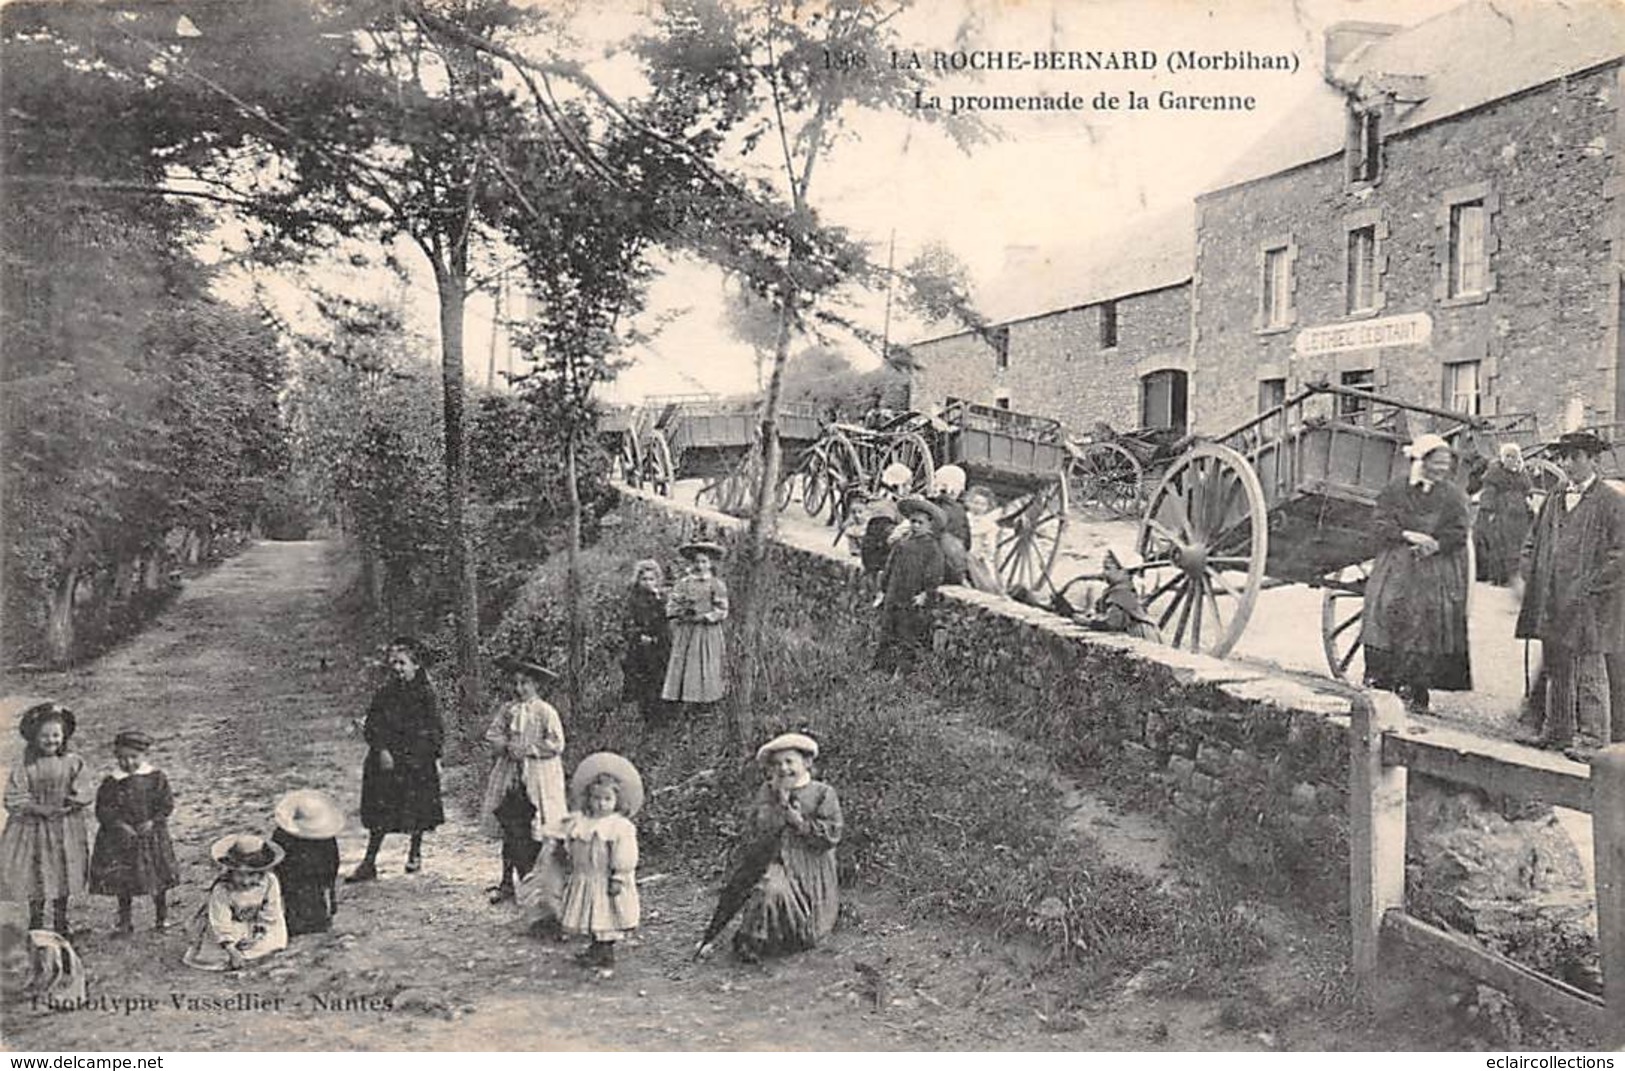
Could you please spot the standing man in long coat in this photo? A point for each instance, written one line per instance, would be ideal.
(400, 780)
(1574, 601)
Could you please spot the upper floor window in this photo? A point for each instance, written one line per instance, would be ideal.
(1463, 387)
(1108, 325)
(1000, 338)
(1277, 297)
(1361, 290)
(1468, 257)
(1365, 144)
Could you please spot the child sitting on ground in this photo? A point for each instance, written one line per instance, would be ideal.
(134, 855)
(1119, 608)
(241, 919)
(307, 829)
(45, 849)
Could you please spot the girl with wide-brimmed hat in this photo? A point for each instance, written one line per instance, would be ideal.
(590, 886)
(400, 779)
(307, 830)
(697, 607)
(45, 849)
(524, 793)
(784, 888)
(241, 919)
(134, 855)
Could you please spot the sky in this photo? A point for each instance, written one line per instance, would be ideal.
(1051, 181)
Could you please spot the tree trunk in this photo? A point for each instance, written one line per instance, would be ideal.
(449, 281)
(749, 641)
(59, 618)
(573, 577)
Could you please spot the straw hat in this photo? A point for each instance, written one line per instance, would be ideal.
(916, 506)
(246, 851)
(519, 667)
(308, 814)
(701, 546)
(788, 742)
(608, 764)
(28, 722)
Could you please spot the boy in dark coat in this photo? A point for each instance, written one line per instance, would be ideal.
(400, 780)
(913, 571)
(1574, 599)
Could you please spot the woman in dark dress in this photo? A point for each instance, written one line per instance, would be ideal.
(1503, 516)
(307, 827)
(1414, 628)
(400, 780)
(648, 642)
(134, 855)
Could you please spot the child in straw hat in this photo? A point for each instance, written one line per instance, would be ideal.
(524, 798)
(45, 849)
(134, 855)
(600, 898)
(241, 919)
(307, 828)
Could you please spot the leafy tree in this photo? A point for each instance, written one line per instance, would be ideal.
(822, 376)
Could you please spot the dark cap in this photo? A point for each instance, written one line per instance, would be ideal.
(1580, 442)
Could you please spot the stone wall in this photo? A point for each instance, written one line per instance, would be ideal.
(1250, 767)
(1546, 332)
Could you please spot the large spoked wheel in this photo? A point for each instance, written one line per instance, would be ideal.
(912, 451)
(1342, 605)
(657, 464)
(836, 469)
(1545, 477)
(1204, 538)
(734, 492)
(1107, 477)
(786, 490)
(1030, 538)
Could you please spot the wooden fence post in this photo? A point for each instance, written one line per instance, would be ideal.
(1608, 844)
(1376, 831)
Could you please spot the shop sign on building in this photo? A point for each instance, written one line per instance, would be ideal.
(1411, 329)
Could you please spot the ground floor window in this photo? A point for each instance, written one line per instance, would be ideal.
(1462, 387)
(1163, 399)
(1356, 409)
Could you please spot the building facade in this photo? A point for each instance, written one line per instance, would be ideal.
(1443, 221)
(1101, 336)
(1442, 226)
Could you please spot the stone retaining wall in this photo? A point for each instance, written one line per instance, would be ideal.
(1251, 768)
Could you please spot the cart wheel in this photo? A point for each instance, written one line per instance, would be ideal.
(786, 489)
(1030, 538)
(840, 471)
(911, 450)
(1108, 477)
(1204, 538)
(657, 463)
(631, 460)
(1544, 478)
(1342, 604)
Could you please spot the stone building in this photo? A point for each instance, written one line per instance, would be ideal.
(1081, 335)
(1440, 222)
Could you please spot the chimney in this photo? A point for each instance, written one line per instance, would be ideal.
(1343, 39)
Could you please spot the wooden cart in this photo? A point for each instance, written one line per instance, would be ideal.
(1286, 498)
(1109, 472)
(715, 439)
(1019, 458)
(620, 431)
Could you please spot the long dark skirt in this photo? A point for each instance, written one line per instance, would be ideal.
(1414, 628)
(405, 799)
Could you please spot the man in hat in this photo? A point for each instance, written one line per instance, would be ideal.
(913, 571)
(1574, 598)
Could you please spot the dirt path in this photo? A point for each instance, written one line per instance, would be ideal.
(249, 689)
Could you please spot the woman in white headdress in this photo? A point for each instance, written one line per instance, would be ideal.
(1414, 628)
